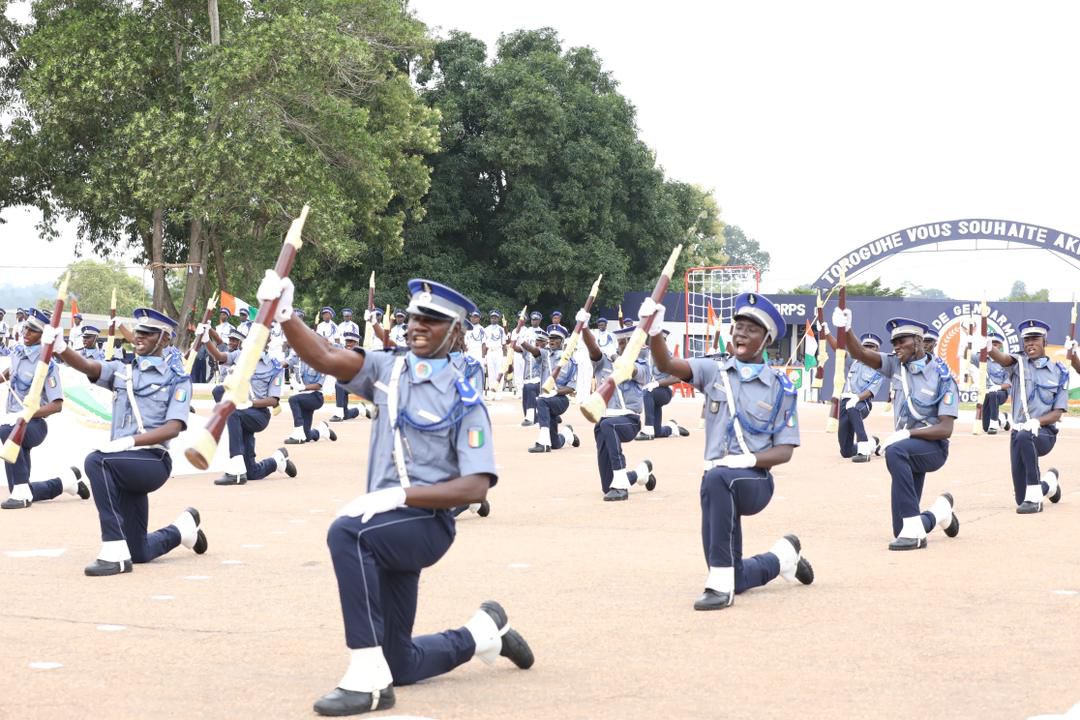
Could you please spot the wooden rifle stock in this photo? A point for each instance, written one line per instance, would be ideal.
(571, 344)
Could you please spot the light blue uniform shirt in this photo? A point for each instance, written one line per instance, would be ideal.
(162, 392)
(861, 378)
(626, 400)
(93, 353)
(568, 376)
(24, 361)
(307, 374)
(1047, 387)
(458, 443)
(996, 374)
(766, 405)
(932, 387)
(267, 379)
(537, 368)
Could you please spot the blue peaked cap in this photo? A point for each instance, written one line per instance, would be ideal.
(433, 299)
(329, 310)
(150, 320)
(870, 338)
(901, 327)
(90, 330)
(1033, 327)
(38, 319)
(536, 315)
(759, 309)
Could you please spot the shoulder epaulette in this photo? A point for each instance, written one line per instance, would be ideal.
(785, 382)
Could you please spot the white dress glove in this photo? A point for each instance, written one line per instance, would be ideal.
(1070, 346)
(367, 506)
(202, 331)
(741, 461)
(650, 308)
(849, 396)
(892, 439)
(118, 445)
(1032, 426)
(52, 336)
(824, 328)
(651, 386)
(582, 317)
(273, 288)
(369, 315)
(841, 318)
(993, 388)
(10, 418)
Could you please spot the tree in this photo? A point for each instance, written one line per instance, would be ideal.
(92, 283)
(541, 182)
(742, 250)
(132, 120)
(1019, 293)
(913, 290)
(873, 288)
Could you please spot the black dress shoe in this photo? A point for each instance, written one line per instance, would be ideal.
(953, 528)
(527, 423)
(290, 466)
(642, 436)
(650, 484)
(13, 504)
(228, 479)
(538, 448)
(683, 432)
(1029, 508)
(804, 571)
(860, 459)
(991, 431)
(82, 490)
(1056, 497)
(576, 442)
(514, 646)
(333, 435)
(907, 544)
(485, 508)
(101, 568)
(338, 702)
(337, 418)
(294, 441)
(615, 494)
(714, 600)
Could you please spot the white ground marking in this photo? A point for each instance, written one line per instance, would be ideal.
(162, 597)
(42, 552)
(517, 566)
(1067, 593)
(40, 665)
(232, 562)
(111, 628)
(197, 577)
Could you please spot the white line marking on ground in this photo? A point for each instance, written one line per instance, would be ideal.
(232, 562)
(46, 665)
(1067, 592)
(518, 566)
(197, 577)
(162, 597)
(111, 628)
(42, 552)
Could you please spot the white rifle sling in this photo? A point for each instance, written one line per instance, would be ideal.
(392, 406)
(732, 410)
(907, 395)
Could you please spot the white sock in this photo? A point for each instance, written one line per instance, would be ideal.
(71, 483)
(22, 492)
(279, 458)
(236, 465)
(298, 434)
(368, 671)
(621, 481)
(530, 414)
(642, 471)
(1033, 493)
(189, 531)
(649, 430)
(114, 551)
(913, 528)
(567, 435)
(721, 579)
(674, 426)
(324, 430)
(942, 511)
(543, 436)
(788, 557)
(486, 635)
(864, 447)
(474, 508)
(1051, 482)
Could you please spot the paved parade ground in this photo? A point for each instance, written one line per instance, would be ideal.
(982, 626)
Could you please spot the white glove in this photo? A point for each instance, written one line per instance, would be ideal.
(273, 288)
(1070, 346)
(841, 318)
(1032, 426)
(202, 331)
(52, 336)
(582, 317)
(993, 388)
(650, 308)
(823, 328)
(892, 439)
(651, 386)
(118, 445)
(369, 316)
(741, 461)
(367, 506)
(984, 342)
(849, 396)
(10, 418)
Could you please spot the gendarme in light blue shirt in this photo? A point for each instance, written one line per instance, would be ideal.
(861, 378)
(932, 388)
(267, 379)
(626, 400)
(24, 362)
(1046, 384)
(161, 388)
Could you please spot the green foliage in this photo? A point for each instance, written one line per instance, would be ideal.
(913, 290)
(742, 250)
(542, 182)
(92, 283)
(1019, 293)
(873, 288)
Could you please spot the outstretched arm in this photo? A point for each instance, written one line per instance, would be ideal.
(678, 368)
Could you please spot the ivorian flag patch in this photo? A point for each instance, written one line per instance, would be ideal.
(476, 437)
(791, 421)
(52, 381)
(948, 398)
(181, 394)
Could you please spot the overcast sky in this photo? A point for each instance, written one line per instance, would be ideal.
(822, 126)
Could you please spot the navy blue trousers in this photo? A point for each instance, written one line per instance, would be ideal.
(378, 566)
(303, 406)
(852, 429)
(654, 401)
(610, 434)
(1025, 450)
(727, 494)
(243, 424)
(549, 411)
(908, 462)
(121, 482)
(991, 407)
(18, 472)
(342, 399)
(529, 392)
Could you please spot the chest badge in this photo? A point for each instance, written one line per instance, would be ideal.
(423, 370)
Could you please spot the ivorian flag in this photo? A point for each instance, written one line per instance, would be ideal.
(233, 304)
(810, 351)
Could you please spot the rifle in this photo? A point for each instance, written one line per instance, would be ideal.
(238, 383)
(510, 355)
(623, 369)
(189, 361)
(571, 344)
(110, 342)
(387, 324)
(369, 331)
(1072, 328)
(980, 376)
(32, 401)
(839, 360)
(823, 353)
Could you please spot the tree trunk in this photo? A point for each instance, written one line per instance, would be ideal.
(193, 289)
(215, 24)
(162, 298)
(219, 259)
